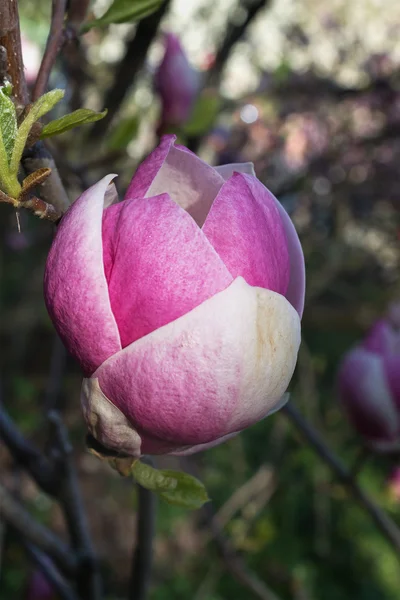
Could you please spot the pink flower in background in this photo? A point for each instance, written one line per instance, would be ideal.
(177, 82)
(369, 384)
(182, 303)
(39, 588)
(32, 57)
(394, 484)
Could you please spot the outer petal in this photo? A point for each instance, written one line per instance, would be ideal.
(367, 399)
(149, 168)
(297, 282)
(159, 265)
(245, 228)
(214, 371)
(106, 423)
(75, 286)
(296, 289)
(225, 438)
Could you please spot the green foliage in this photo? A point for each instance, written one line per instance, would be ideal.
(79, 117)
(123, 133)
(13, 140)
(8, 120)
(125, 11)
(177, 488)
(204, 114)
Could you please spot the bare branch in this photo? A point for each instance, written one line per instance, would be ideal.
(53, 45)
(88, 576)
(380, 518)
(14, 514)
(26, 455)
(52, 190)
(128, 68)
(143, 555)
(49, 570)
(233, 34)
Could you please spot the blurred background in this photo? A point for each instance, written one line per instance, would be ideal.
(310, 93)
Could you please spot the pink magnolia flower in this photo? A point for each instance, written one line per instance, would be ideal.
(182, 303)
(31, 57)
(369, 385)
(177, 83)
(39, 587)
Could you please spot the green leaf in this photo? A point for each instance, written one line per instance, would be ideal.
(204, 114)
(8, 120)
(75, 119)
(42, 106)
(123, 11)
(174, 487)
(123, 133)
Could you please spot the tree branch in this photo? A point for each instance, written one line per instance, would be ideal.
(88, 575)
(53, 45)
(47, 567)
(232, 35)
(384, 523)
(26, 455)
(10, 39)
(128, 68)
(143, 554)
(14, 514)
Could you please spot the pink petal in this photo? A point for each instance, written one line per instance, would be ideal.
(246, 230)
(392, 370)
(296, 289)
(367, 399)
(173, 170)
(382, 338)
(159, 265)
(75, 286)
(149, 168)
(297, 283)
(214, 371)
(190, 182)
(226, 171)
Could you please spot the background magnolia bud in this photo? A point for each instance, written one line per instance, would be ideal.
(369, 385)
(39, 587)
(177, 82)
(182, 303)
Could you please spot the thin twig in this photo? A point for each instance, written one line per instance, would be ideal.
(51, 190)
(50, 572)
(56, 375)
(128, 68)
(384, 523)
(53, 45)
(233, 34)
(143, 554)
(88, 575)
(232, 561)
(26, 455)
(16, 516)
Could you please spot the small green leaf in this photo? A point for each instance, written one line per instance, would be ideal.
(75, 119)
(8, 120)
(42, 106)
(123, 133)
(204, 114)
(174, 487)
(122, 11)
